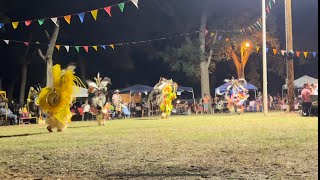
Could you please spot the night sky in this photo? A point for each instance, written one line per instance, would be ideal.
(136, 64)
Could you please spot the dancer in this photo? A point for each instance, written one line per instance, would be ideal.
(236, 94)
(98, 96)
(56, 99)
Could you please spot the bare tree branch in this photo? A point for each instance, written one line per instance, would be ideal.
(41, 55)
(48, 35)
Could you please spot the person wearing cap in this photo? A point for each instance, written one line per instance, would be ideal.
(116, 98)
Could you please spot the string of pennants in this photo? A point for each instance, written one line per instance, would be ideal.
(67, 18)
(112, 46)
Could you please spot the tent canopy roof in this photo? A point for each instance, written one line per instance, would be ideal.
(224, 87)
(138, 88)
(79, 92)
(183, 89)
(298, 83)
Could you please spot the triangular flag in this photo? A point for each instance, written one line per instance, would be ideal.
(314, 54)
(274, 1)
(268, 10)
(305, 54)
(298, 53)
(86, 48)
(7, 41)
(282, 52)
(68, 18)
(257, 48)
(15, 25)
(67, 48)
(103, 46)
(108, 10)
(77, 48)
(27, 23)
(267, 49)
(219, 38)
(212, 34)
(1, 25)
(206, 32)
(58, 47)
(274, 51)
(41, 21)
(94, 14)
(81, 17)
(121, 6)
(54, 20)
(112, 46)
(95, 48)
(26, 43)
(135, 2)
(270, 5)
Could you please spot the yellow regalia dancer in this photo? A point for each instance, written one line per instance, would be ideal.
(55, 100)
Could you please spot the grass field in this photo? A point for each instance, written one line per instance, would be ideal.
(248, 146)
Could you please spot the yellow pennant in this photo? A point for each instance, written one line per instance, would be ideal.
(257, 48)
(94, 14)
(58, 47)
(15, 25)
(274, 51)
(305, 54)
(112, 46)
(212, 34)
(95, 48)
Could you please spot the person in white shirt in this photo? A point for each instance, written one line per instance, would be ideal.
(86, 110)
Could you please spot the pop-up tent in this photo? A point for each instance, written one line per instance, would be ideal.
(182, 89)
(221, 89)
(138, 88)
(298, 83)
(79, 92)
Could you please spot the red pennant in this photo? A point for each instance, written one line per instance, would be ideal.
(268, 10)
(86, 48)
(206, 32)
(26, 43)
(298, 53)
(27, 23)
(108, 10)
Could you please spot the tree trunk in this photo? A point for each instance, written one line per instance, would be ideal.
(241, 71)
(24, 70)
(48, 57)
(204, 63)
(11, 89)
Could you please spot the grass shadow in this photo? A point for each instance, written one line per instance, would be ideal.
(21, 135)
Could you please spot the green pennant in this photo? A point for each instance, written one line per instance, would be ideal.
(270, 5)
(41, 21)
(121, 6)
(77, 48)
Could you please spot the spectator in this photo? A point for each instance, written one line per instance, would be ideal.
(205, 101)
(306, 99)
(86, 110)
(314, 89)
(9, 114)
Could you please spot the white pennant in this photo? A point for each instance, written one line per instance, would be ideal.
(135, 2)
(67, 48)
(54, 20)
(7, 41)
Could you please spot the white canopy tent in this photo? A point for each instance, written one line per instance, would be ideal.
(298, 83)
(79, 92)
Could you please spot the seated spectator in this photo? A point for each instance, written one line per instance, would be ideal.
(9, 114)
(125, 111)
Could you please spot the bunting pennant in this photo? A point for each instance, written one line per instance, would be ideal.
(274, 1)
(7, 41)
(305, 54)
(86, 48)
(298, 53)
(26, 43)
(58, 47)
(314, 54)
(282, 52)
(121, 6)
(27, 23)
(77, 48)
(206, 32)
(15, 25)
(41, 21)
(274, 51)
(67, 48)
(268, 10)
(267, 49)
(257, 48)
(212, 34)
(219, 38)
(135, 2)
(94, 14)
(68, 19)
(108, 10)
(55, 20)
(112, 46)
(270, 5)
(103, 46)
(81, 17)
(95, 48)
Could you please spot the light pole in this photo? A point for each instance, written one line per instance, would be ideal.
(264, 59)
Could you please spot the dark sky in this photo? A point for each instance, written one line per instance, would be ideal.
(128, 65)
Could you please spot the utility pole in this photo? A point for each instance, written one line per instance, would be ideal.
(290, 55)
(264, 59)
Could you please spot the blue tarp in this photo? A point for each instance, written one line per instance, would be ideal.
(224, 87)
(182, 89)
(138, 88)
